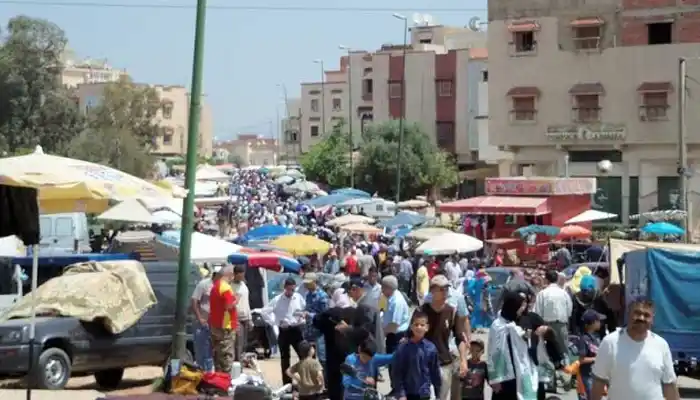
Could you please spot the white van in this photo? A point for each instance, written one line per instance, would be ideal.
(59, 231)
(374, 207)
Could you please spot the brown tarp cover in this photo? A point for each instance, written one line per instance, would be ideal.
(116, 292)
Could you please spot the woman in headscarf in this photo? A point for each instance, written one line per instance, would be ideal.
(477, 294)
(512, 372)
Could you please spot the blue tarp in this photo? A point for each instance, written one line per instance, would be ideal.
(352, 192)
(266, 233)
(674, 279)
(66, 260)
(403, 218)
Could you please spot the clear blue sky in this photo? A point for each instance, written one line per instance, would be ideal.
(248, 52)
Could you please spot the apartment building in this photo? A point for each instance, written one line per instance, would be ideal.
(290, 137)
(173, 117)
(367, 88)
(252, 149)
(77, 72)
(572, 85)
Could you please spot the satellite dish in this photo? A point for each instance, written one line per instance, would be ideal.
(417, 19)
(427, 20)
(474, 24)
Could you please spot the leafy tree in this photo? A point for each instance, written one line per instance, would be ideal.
(327, 161)
(234, 159)
(129, 107)
(423, 164)
(34, 107)
(115, 147)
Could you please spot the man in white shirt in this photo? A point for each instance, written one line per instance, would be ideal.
(288, 309)
(452, 270)
(634, 362)
(555, 305)
(242, 309)
(200, 308)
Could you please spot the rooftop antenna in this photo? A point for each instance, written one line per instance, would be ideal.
(475, 24)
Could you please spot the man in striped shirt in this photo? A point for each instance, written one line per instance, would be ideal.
(223, 320)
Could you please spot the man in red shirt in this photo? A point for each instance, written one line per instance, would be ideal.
(223, 320)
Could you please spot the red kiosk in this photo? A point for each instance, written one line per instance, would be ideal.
(511, 203)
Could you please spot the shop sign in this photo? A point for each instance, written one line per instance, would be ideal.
(539, 186)
(589, 133)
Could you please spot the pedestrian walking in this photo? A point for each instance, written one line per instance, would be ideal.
(223, 320)
(243, 309)
(288, 309)
(555, 305)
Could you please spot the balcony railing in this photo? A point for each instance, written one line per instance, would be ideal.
(523, 115)
(586, 114)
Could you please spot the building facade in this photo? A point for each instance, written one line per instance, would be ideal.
(173, 117)
(443, 71)
(574, 84)
(290, 136)
(78, 72)
(251, 149)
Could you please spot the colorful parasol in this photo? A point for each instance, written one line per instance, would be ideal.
(272, 260)
(302, 245)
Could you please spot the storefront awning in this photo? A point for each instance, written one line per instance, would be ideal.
(498, 205)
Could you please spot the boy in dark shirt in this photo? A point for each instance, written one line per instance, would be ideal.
(416, 365)
(588, 349)
(477, 373)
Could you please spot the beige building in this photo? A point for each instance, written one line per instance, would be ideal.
(78, 72)
(173, 117)
(437, 89)
(290, 147)
(571, 87)
(251, 149)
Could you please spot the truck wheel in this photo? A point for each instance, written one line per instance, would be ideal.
(52, 371)
(109, 378)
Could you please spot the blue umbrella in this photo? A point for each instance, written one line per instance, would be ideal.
(543, 229)
(351, 192)
(663, 228)
(329, 200)
(267, 233)
(402, 232)
(403, 218)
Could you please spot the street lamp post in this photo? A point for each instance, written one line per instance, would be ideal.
(178, 349)
(403, 105)
(323, 96)
(350, 115)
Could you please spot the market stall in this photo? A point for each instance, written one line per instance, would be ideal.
(515, 202)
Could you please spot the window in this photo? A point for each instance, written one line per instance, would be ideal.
(168, 110)
(168, 137)
(444, 88)
(425, 41)
(587, 37)
(293, 137)
(594, 156)
(367, 88)
(45, 227)
(314, 131)
(63, 227)
(336, 121)
(314, 92)
(660, 33)
(380, 208)
(395, 90)
(524, 108)
(654, 106)
(485, 76)
(524, 41)
(314, 105)
(446, 136)
(337, 105)
(587, 108)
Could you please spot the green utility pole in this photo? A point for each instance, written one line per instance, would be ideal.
(184, 266)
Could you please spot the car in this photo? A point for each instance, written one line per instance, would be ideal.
(66, 346)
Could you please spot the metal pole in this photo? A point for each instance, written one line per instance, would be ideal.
(350, 118)
(179, 348)
(567, 160)
(403, 111)
(279, 134)
(323, 99)
(683, 148)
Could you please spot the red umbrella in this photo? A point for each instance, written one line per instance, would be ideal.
(573, 231)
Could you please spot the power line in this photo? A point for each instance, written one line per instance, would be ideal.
(160, 6)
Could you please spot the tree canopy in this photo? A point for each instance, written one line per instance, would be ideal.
(37, 109)
(423, 165)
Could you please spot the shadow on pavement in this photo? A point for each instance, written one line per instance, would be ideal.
(124, 385)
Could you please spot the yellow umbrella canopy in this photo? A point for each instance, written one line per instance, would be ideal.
(68, 185)
(301, 245)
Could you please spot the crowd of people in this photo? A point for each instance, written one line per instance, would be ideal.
(416, 315)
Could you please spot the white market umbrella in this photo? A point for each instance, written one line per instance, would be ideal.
(450, 243)
(350, 219)
(166, 217)
(128, 211)
(361, 228)
(415, 203)
(590, 215)
(293, 173)
(207, 172)
(428, 233)
(284, 180)
(303, 186)
(204, 248)
(356, 202)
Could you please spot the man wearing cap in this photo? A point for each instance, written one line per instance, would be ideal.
(444, 322)
(317, 301)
